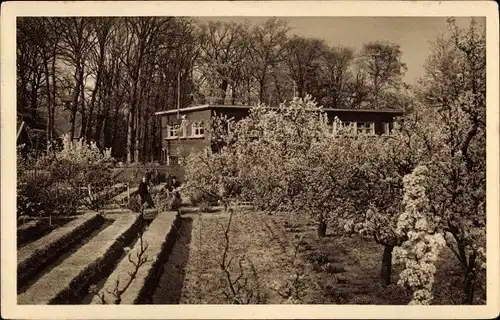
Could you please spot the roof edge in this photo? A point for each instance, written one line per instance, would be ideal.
(216, 106)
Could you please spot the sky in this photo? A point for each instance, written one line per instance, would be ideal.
(413, 34)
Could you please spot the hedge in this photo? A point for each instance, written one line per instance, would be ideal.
(67, 283)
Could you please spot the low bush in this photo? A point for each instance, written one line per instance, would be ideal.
(166, 201)
(318, 258)
(60, 181)
(198, 198)
(134, 203)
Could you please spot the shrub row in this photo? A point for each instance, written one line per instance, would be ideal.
(34, 256)
(67, 283)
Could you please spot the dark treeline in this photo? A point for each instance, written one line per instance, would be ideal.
(105, 77)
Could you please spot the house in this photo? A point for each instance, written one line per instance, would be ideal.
(195, 134)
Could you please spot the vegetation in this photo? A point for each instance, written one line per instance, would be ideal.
(337, 269)
(412, 191)
(414, 199)
(84, 77)
(64, 179)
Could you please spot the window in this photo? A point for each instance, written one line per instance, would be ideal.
(332, 130)
(350, 125)
(173, 132)
(336, 123)
(365, 128)
(172, 160)
(197, 129)
(386, 126)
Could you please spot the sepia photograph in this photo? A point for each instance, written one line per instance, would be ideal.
(217, 158)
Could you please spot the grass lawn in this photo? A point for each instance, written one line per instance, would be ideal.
(334, 270)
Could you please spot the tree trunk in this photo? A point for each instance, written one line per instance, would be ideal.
(88, 127)
(470, 279)
(300, 88)
(114, 131)
(262, 84)
(233, 94)
(223, 89)
(130, 123)
(34, 101)
(99, 127)
(145, 137)
(278, 91)
(138, 132)
(386, 268)
(74, 106)
(83, 111)
(249, 94)
(54, 92)
(153, 140)
(49, 104)
(322, 229)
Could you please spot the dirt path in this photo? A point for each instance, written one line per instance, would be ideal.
(171, 281)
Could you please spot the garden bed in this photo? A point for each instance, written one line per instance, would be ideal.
(36, 255)
(169, 286)
(35, 228)
(205, 282)
(66, 283)
(57, 260)
(159, 237)
(338, 269)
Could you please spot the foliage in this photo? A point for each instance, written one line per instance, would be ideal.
(212, 176)
(453, 92)
(57, 183)
(166, 201)
(381, 64)
(419, 252)
(134, 203)
(286, 159)
(81, 165)
(212, 62)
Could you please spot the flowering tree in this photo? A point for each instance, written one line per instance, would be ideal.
(446, 133)
(212, 176)
(279, 155)
(419, 227)
(285, 159)
(373, 195)
(453, 94)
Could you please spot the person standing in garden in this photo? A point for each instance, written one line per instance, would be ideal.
(173, 188)
(174, 184)
(144, 193)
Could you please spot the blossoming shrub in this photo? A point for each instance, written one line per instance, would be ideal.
(84, 169)
(419, 252)
(57, 183)
(453, 95)
(284, 159)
